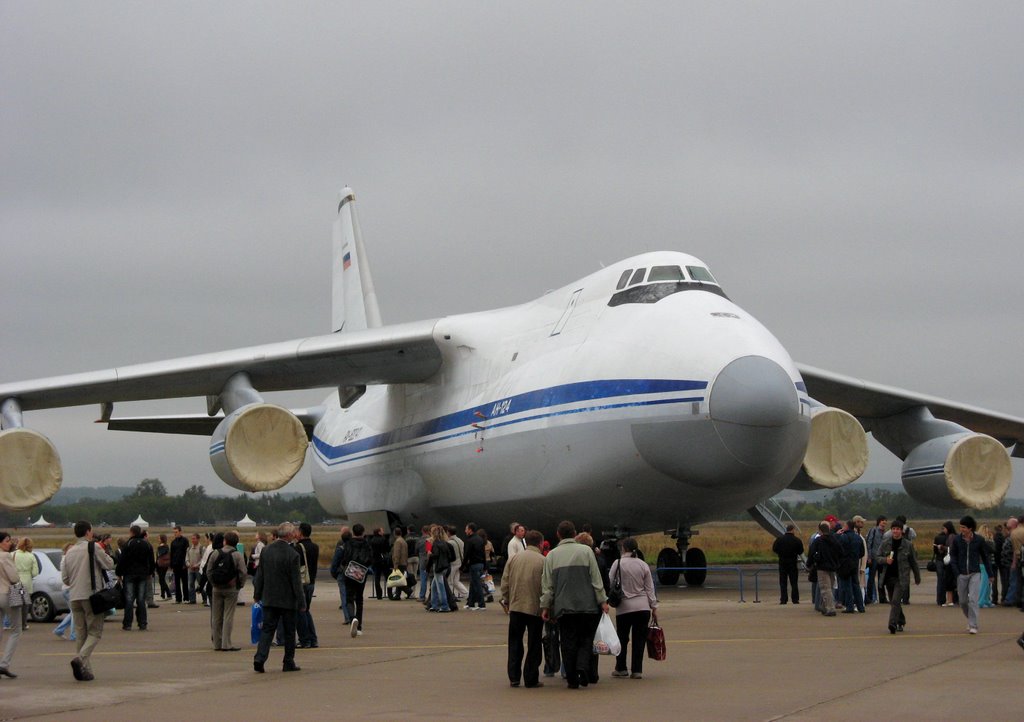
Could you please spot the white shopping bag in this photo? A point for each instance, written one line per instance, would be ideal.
(606, 639)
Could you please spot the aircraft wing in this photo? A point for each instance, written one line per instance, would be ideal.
(196, 424)
(403, 353)
(867, 400)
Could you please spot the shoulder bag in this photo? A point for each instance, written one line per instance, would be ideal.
(615, 593)
(16, 595)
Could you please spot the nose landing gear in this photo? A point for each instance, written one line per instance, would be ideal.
(694, 561)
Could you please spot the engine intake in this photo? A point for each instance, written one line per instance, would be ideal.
(837, 451)
(259, 447)
(959, 470)
(30, 469)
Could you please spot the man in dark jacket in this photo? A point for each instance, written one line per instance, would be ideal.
(825, 555)
(380, 549)
(967, 556)
(475, 561)
(179, 564)
(134, 566)
(278, 587)
(789, 548)
(357, 550)
(852, 544)
(311, 556)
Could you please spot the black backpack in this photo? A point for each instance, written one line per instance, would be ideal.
(223, 571)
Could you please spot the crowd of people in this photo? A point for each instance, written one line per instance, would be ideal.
(849, 568)
(554, 596)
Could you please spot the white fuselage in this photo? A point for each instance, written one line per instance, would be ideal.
(639, 416)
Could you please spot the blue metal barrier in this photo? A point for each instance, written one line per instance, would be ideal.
(738, 570)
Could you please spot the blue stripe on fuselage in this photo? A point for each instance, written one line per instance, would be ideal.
(488, 415)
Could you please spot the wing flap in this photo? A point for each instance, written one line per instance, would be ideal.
(867, 400)
(403, 353)
(196, 424)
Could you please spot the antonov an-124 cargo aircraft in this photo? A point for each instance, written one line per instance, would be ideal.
(639, 398)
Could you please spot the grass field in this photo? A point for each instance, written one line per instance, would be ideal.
(724, 542)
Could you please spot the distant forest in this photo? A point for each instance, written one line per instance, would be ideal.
(119, 506)
(151, 500)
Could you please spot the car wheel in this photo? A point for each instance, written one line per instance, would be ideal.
(42, 608)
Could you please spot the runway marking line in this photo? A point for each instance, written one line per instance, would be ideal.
(739, 640)
(140, 653)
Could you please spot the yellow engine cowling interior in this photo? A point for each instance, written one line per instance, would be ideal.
(837, 451)
(264, 446)
(30, 469)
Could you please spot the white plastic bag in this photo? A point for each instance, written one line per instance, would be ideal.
(606, 639)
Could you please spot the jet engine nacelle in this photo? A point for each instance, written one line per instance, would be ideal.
(259, 447)
(30, 469)
(958, 470)
(837, 451)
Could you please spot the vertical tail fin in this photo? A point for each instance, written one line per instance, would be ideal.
(354, 300)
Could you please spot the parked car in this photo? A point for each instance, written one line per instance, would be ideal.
(47, 588)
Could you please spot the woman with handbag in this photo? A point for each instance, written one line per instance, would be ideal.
(28, 567)
(638, 608)
(10, 591)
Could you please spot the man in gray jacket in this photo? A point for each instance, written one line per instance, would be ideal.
(896, 556)
(278, 587)
(572, 592)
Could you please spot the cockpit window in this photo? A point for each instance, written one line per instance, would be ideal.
(699, 273)
(638, 276)
(623, 278)
(666, 273)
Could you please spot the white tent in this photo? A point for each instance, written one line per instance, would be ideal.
(245, 523)
(40, 522)
(141, 523)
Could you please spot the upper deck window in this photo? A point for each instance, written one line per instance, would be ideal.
(638, 276)
(623, 278)
(701, 274)
(666, 273)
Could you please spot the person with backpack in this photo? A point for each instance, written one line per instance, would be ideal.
(355, 562)
(225, 569)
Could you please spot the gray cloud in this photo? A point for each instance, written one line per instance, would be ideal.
(852, 174)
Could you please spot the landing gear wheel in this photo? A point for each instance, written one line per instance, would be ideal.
(696, 558)
(669, 557)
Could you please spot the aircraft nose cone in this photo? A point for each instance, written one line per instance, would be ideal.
(754, 406)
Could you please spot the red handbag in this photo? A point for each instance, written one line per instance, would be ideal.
(656, 647)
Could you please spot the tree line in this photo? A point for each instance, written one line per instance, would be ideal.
(194, 506)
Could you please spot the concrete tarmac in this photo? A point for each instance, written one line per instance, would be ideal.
(726, 661)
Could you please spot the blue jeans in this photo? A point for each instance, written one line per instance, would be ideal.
(851, 593)
(304, 620)
(438, 593)
(1014, 587)
(476, 586)
(346, 613)
(134, 596)
(423, 583)
(68, 620)
(193, 577)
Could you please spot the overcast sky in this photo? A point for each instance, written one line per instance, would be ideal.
(853, 174)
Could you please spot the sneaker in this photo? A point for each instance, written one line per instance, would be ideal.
(354, 627)
(77, 668)
(359, 633)
(636, 675)
(470, 606)
(620, 673)
(1020, 642)
(972, 630)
